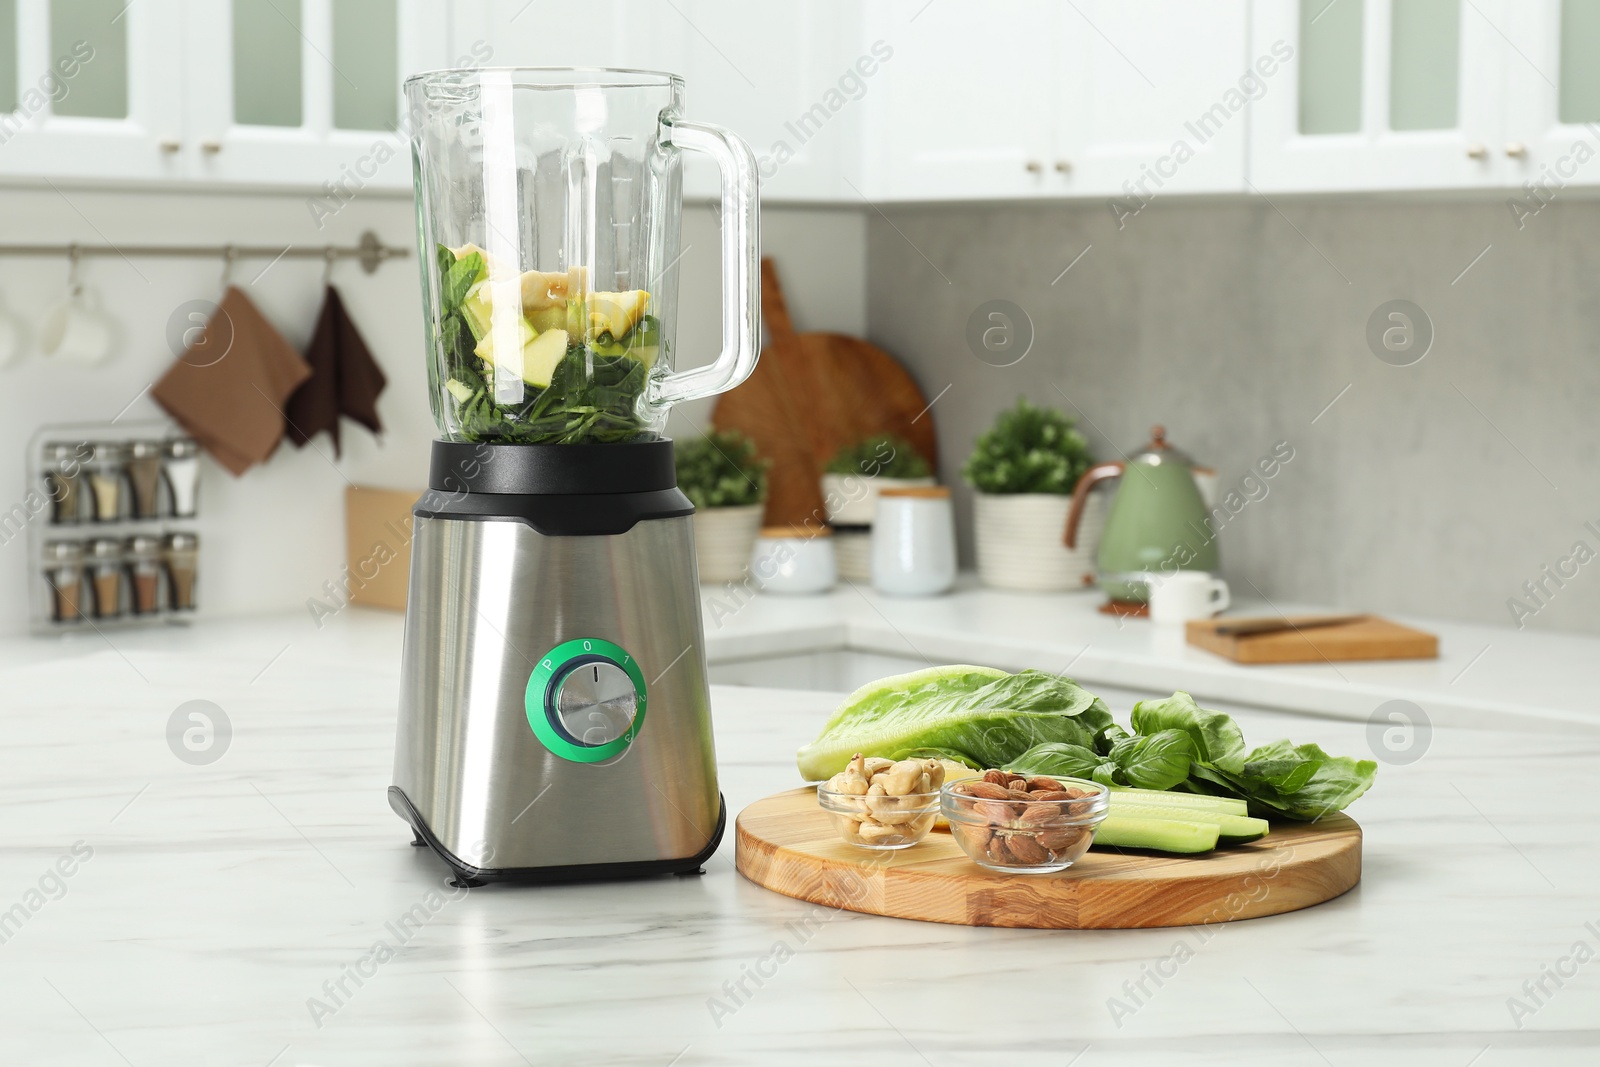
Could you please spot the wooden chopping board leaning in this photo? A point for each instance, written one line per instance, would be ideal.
(813, 394)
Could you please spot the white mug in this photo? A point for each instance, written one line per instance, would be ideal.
(914, 542)
(794, 559)
(75, 329)
(1185, 595)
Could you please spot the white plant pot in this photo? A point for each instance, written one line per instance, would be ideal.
(1020, 543)
(723, 539)
(852, 499)
(853, 550)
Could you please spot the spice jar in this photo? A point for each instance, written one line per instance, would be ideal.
(143, 555)
(144, 477)
(63, 569)
(105, 570)
(64, 482)
(183, 475)
(182, 555)
(106, 476)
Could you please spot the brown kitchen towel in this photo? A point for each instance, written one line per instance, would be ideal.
(228, 388)
(345, 379)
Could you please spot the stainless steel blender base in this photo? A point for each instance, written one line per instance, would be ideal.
(490, 602)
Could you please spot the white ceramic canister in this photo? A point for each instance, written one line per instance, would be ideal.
(914, 542)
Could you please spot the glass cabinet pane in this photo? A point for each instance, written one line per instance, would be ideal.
(1424, 64)
(99, 90)
(8, 55)
(1580, 73)
(1330, 66)
(266, 62)
(366, 64)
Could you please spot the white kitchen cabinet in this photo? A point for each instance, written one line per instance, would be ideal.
(763, 70)
(1551, 138)
(1382, 94)
(788, 78)
(1150, 97)
(1039, 99)
(963, 106)
(95, 91)
(306, 93)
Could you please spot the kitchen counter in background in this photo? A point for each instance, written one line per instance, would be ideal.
(1484, 676)
(209, 904)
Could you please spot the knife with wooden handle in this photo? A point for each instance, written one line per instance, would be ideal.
(1252, 627)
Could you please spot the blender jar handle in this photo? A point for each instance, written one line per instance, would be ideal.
(741, 290)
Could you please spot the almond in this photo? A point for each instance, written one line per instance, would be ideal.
(985, 790)
(1027, 850)
(1037, 816)
(1049, 784)
(998, 851)
(1058, 794)
(1017, 794)
(996, 777)
(1060, 841)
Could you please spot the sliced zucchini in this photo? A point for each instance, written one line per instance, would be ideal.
(1197, 801)
(1164, 835)
(1233, 829)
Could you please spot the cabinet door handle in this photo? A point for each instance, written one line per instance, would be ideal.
(170, 145)
(1063, 166)
(1033, 166)
(1516, 149)
(210, 148)
(1477, 150)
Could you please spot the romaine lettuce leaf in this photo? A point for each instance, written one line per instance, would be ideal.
(983, 717)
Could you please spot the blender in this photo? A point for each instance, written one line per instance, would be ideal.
(555, 721)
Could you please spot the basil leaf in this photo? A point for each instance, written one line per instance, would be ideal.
(1217, 738)
(1154, 761)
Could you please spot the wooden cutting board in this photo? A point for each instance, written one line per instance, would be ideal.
(789, 845)
(1367, 637)
(811, 395)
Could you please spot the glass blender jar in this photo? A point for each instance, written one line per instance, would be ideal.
(553, 593)
(549, 206)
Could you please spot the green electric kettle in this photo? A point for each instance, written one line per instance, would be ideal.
(1158, 522)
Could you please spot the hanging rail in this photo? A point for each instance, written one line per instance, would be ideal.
(370, 251)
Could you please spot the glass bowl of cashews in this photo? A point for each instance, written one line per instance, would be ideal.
(881, 803)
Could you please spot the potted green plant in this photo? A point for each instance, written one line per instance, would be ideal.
(853, 477)
(1024, 470)
(727, 482)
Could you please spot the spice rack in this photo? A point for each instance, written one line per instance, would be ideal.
(110, 511)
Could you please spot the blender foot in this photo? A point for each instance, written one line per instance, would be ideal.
(690, 873)
(417, 841)
(459, 882)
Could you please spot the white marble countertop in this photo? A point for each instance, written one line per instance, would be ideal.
(207, 905)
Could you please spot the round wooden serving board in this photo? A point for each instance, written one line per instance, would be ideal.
(788, 844)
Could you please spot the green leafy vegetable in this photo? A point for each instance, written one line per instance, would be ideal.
(1217, 738)
(592, 398)
(983, 717)
(1159, 761)
(1290, 781)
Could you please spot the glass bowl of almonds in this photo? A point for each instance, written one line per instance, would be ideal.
(1022, 824)
(881, 803)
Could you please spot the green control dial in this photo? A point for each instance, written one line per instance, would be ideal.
(586, 700)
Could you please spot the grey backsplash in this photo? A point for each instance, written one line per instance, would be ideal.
(1435, 489)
